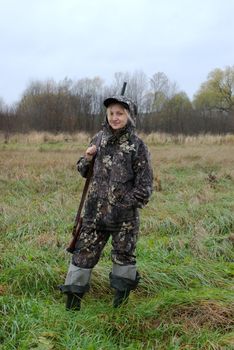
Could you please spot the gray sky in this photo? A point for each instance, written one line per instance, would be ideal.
(42, 39)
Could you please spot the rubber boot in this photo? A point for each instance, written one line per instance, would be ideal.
(122, 287)
(120, 298)
(76, 285)
(73, 301)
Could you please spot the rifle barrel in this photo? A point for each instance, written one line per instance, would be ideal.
(123, 88)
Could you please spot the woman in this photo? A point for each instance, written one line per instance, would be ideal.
(121, 183)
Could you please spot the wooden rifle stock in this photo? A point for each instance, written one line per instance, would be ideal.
(75, 235)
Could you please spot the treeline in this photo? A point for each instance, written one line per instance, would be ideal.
(73, 106)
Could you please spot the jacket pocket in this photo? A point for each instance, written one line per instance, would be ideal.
(119, 187)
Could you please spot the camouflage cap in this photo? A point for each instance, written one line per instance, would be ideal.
(125, 101)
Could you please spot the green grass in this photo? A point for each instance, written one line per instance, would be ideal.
(185, 254)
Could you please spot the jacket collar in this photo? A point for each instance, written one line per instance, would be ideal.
(118, 136)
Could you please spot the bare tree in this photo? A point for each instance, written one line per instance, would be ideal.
(161, 90)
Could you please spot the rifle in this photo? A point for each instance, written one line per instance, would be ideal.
(78, 220)
(123, 88)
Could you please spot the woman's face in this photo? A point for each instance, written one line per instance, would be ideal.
(117, 116)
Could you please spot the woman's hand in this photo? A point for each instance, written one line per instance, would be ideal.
(90, 152)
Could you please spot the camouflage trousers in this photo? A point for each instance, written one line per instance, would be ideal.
(93, 239)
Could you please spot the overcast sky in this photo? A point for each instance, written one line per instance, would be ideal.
(42, 39)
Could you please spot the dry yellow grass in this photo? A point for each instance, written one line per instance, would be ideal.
(207, 139)
(35, 137)
(151, 139)
(194, 155)
(32, 160)
(206, 313)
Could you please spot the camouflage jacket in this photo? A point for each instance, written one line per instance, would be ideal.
(122, 177)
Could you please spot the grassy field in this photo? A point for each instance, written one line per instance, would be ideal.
(185, 251)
